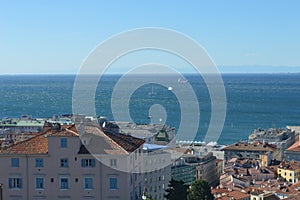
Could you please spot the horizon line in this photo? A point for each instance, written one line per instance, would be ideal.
(187, 73)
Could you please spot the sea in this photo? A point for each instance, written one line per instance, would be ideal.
(252, 100)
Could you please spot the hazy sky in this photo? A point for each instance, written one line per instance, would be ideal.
(56, 36)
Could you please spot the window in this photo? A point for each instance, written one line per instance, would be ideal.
(113, 183)
(88, 183)
(88, 162)
(15, 183)
(64, 183)
(64, 162)
(39, 162)
(39, 183)
(15, 162)
(113, 162)
(63, 142)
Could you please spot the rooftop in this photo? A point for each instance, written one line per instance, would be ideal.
(141, 130)
(21, 122)
(238, 195)
(110, 143)
(35, 145)
(293, 165)
(256, 146)
(127, 142)
(295, 147)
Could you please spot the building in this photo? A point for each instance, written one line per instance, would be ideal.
(182, 171)
(289, 171)
(11, 138)
(272, 135)
(293, 153)
(219, 167)
(282, 138)
(265, 159)
(251, 150)
(206, 168)
(56, 164)
(151, 133)
(260, 195)
(21, 125)
(157, 171)
(188, 166)
(230, 195)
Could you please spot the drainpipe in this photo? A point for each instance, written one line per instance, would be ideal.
(27, 181)
(1, 195)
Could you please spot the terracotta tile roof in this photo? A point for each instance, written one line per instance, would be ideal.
(110, 143)
(295, 147)
(238, 195)
(98, 142)
(293, 165)
(257, 146)
(35, 145)
(257, 192)
(127, 142)
(118, 142)
(219, 191)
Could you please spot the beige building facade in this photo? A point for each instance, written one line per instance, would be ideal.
(56, 165)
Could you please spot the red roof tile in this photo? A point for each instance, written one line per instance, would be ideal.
(115, 143)
(293, 165)
(294, 147)
(127, 142)
(35, 145)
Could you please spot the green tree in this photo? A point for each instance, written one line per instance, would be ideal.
(200, 190)
(176, 190)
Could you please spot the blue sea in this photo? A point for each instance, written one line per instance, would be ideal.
(253, 100)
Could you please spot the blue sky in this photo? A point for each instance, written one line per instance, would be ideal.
(56, 36)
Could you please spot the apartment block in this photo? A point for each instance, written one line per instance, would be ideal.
(57, 165)
(290, 171)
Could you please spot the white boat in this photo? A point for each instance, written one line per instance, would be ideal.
(180, 80)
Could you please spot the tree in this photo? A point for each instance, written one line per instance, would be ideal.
(200, 190)
(176, 190)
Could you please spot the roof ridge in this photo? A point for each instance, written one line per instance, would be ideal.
(70, 131)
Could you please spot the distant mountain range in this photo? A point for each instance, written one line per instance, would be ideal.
(259, 69)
